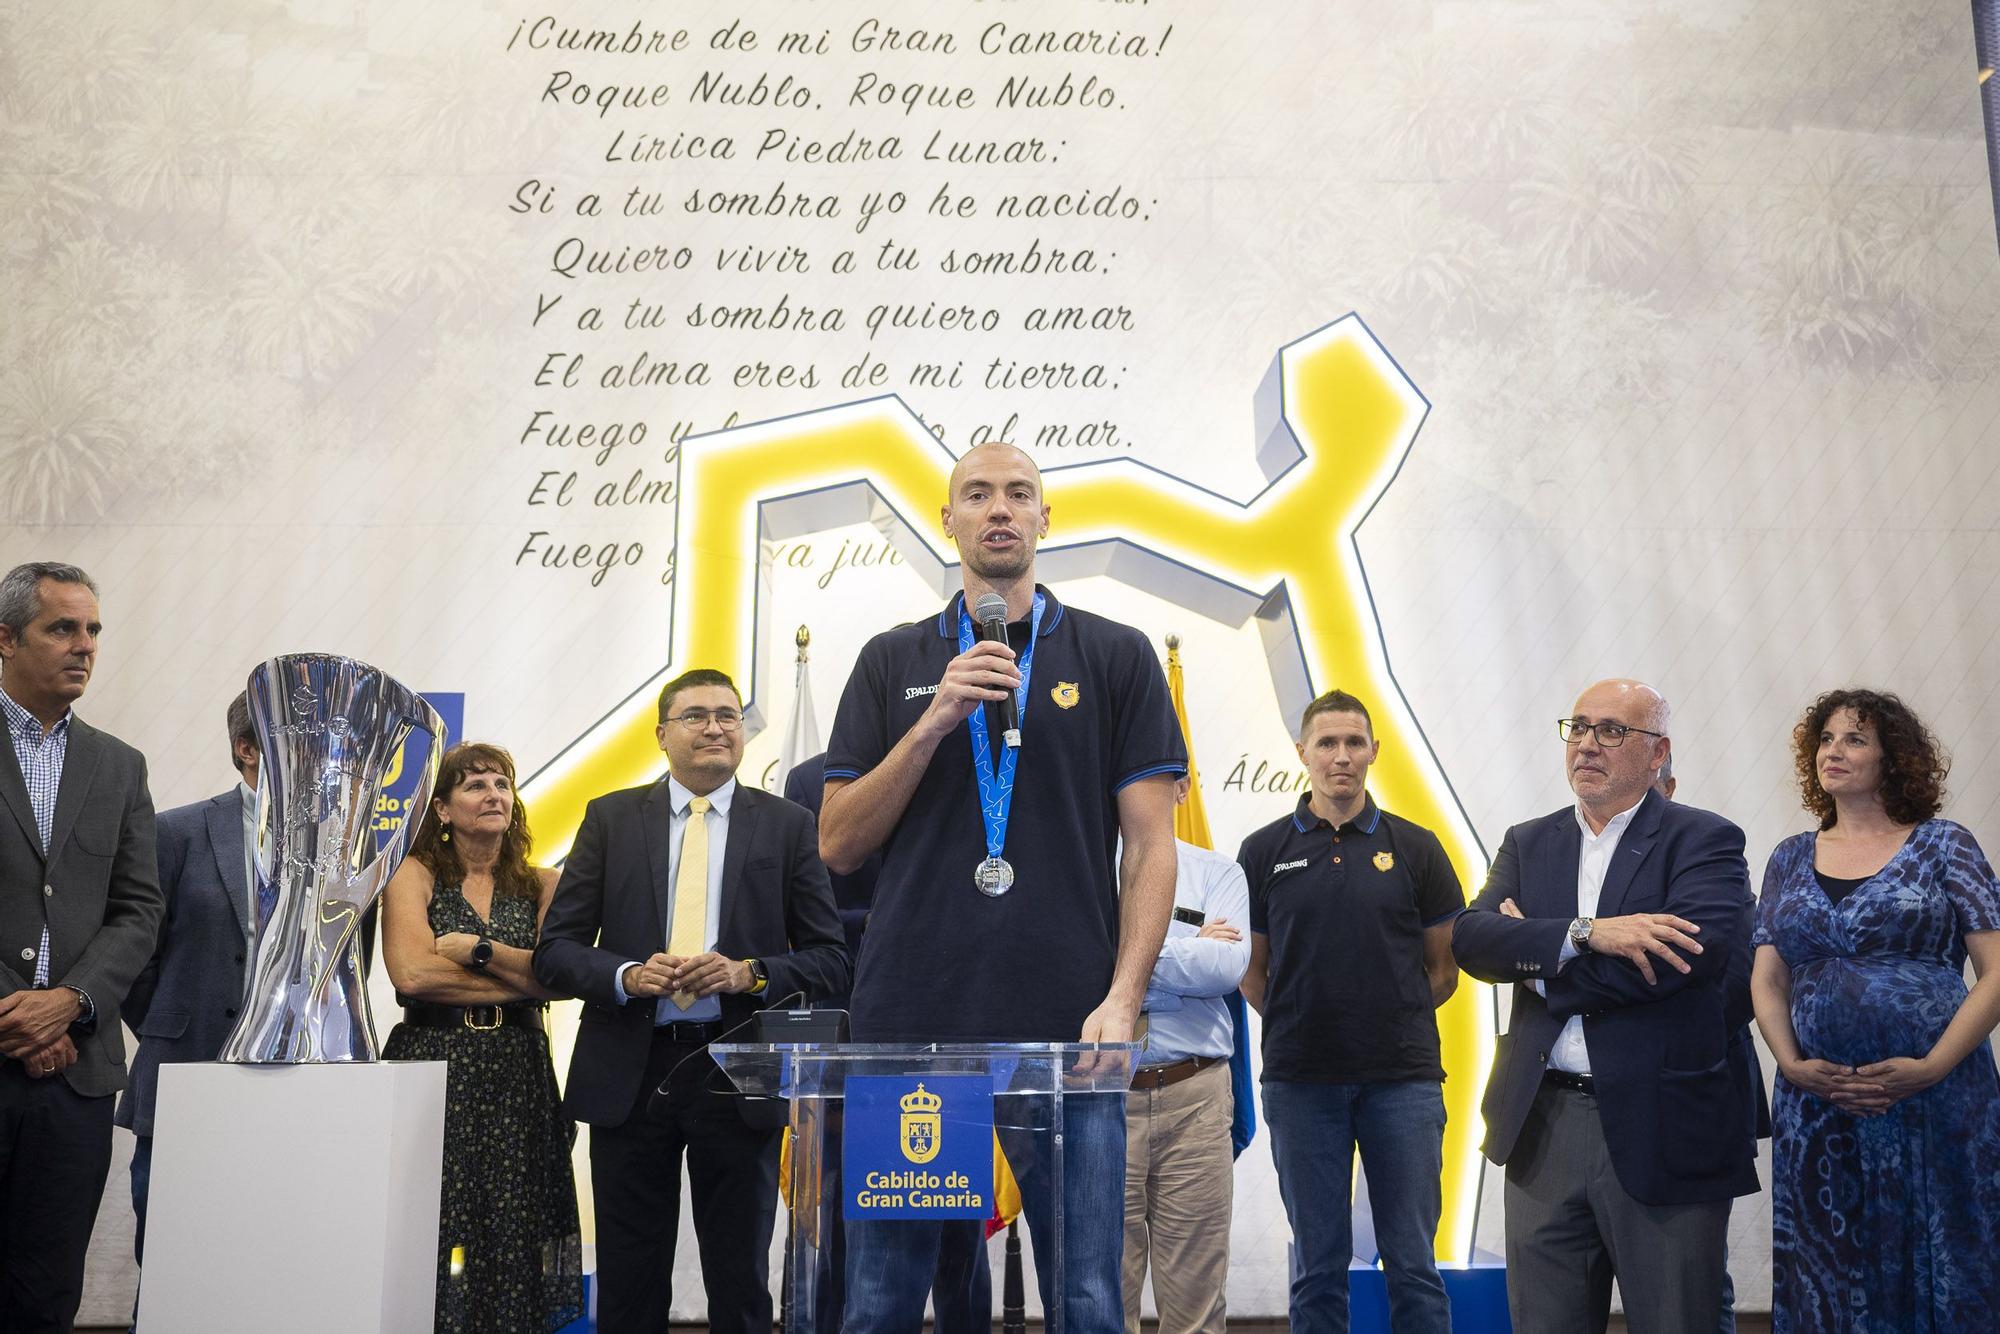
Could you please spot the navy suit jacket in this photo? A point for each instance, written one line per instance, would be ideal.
(610, 908)
(853, 891)
(187, 998)
(1670, 1090)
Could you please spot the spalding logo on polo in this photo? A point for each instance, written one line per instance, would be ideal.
(914, 692)
(1290, 866)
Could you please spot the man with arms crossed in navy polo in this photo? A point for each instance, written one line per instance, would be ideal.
(1003, 913)
(1615, 1101)
(1350, 956)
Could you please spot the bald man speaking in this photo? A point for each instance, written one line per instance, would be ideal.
(1006, 909)
(1612, 1102)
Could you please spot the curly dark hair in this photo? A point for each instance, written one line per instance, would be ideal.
(1913, 764)
(513, 877)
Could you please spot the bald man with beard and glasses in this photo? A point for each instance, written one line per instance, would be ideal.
(1615, 1102)
(1005, 910)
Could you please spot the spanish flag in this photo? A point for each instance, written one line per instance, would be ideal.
(1191, 826)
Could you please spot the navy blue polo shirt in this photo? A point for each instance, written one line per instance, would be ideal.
(1347, 1000)
(941, 961)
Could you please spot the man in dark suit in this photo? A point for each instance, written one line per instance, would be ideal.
(1749, 1071)
(187, 999)
(1615, 1101)
(684, 907)
(79, 908)
(854, 891)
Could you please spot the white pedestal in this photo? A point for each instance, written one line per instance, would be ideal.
(299, 1198)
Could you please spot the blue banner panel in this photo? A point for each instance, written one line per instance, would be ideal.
(918, 1146)
(399, 787)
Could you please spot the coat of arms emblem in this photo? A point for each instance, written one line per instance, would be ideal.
(922, 1126)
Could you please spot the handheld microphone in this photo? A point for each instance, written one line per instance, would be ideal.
(991, 613)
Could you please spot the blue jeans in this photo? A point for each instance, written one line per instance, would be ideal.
(1399, 1128)
(961, 1290)
(891, 1263)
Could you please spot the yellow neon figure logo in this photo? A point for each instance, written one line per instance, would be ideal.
(1336, 415)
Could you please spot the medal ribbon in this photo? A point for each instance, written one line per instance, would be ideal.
(996, 788)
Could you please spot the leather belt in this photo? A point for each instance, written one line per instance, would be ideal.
(1151, 1077)
(1575, 1083)
(688, 1034)
(482, 1018)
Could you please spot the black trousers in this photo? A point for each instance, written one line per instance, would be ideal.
(635, 1173)
(55, 1152)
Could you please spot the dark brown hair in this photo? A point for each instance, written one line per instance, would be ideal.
(700, 676)
(240, 727)
(512, 876)
(1334, 701)
(1913, 764)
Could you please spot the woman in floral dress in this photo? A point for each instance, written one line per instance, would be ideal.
(460, 920)
(1885, 1176)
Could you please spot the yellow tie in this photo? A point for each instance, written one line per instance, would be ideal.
(688, 936)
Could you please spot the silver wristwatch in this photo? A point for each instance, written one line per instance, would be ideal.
(1579, 932)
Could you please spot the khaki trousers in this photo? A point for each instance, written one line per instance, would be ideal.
(1178, 1176)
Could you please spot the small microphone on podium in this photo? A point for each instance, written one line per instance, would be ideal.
(991, 613)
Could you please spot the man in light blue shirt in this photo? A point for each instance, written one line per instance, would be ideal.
(1179, 1160)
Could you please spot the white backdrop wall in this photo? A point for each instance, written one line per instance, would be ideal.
(1702, 293)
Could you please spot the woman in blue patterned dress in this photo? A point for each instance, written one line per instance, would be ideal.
(1885, 1175)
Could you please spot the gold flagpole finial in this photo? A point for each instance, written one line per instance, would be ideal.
(1173, 647)
(803, 639)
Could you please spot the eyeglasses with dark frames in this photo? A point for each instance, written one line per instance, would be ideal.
(1609, 735)
(697, 720)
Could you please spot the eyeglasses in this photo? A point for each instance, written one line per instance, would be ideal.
(697, 720)
(1609, 735)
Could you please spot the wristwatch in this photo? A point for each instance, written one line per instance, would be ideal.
(482, 954)
(1579, 932)
(760, 977)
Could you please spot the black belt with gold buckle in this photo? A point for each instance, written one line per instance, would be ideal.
(479, 1018)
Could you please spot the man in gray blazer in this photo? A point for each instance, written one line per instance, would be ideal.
(79, 908)
(186, 1001)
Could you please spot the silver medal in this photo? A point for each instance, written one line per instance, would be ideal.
(993, 877)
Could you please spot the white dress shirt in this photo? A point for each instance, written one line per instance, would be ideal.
(708, 1007)
(1186, 1006)
(1570, 1052)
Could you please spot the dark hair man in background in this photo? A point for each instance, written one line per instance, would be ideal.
(186, 1001)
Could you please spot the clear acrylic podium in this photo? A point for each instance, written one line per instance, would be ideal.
(1030, 1082)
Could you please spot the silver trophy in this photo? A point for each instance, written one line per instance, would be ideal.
(330, 729)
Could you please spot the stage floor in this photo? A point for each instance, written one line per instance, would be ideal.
(1745, 1324)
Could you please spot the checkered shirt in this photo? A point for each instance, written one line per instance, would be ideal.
(41, 757)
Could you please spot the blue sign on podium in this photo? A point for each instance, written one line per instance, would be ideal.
(918, 1146)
